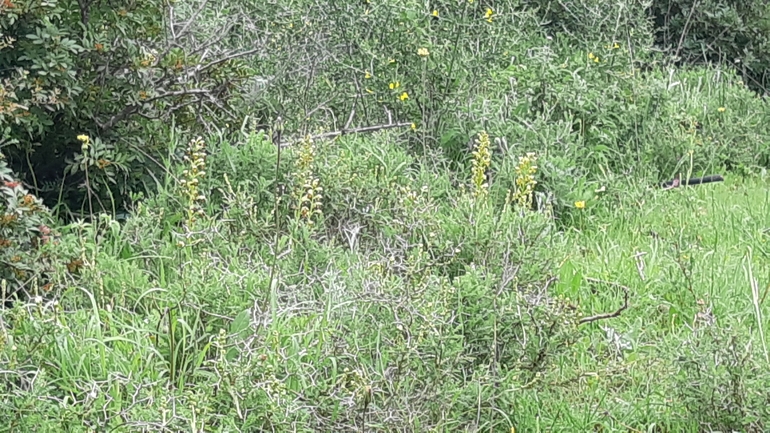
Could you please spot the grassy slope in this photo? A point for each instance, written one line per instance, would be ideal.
(339, 327)
(685, 256)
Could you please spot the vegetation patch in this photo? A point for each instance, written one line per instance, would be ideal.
(383, 216)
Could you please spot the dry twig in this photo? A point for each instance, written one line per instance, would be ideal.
(341, 132)
(615, 313)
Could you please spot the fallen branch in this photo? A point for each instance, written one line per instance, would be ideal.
(676, 182)
(341, 132)
(607, 315)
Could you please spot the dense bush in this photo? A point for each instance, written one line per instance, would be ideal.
(24, 232)
(448, 69)
(586, 22)
(357, 63)
(728, 32)
(114, 74)
(731, 33)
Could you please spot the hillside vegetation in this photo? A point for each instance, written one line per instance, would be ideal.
(381, 216)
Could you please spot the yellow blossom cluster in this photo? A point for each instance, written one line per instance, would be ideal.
(525, 180)
(308, 193)
(482, 159)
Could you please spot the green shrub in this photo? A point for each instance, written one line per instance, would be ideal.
(709, 121)
(24, 231)
(107, 73)
(720, 380)
(242, 177)
(733, 33)
(375, 63)
(597, 21)
(590, 117)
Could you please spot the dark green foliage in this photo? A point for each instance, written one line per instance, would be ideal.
(109, 71)
(67, 72)
(729, 32)
(24, 231)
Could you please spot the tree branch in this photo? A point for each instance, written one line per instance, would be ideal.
(617, 312)
(360, 130)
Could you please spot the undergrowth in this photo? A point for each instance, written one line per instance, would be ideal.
(423, 304)
(457, 225)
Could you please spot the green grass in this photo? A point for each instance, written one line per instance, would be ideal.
(424, 315)
(686, 257)
(399, 281)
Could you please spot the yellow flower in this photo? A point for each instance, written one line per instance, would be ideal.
(423, 52)
(414, 126)
(615, 46)
(721, 109)
(369, 90)
(489, 14)
(393, 85)
(367, 75)
(482, 159)
(404, 96)
(83, 138)
(591, 56)
(435, 13)
(580, 204)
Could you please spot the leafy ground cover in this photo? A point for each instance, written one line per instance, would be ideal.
(399, 298)
(383, 216)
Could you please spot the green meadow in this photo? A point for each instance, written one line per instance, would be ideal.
(425, 307)
(384, 216)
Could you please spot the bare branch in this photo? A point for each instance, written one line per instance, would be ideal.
(134, 108)
(192, 19)
(230, 57)
(617, 312)
(361, 130)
